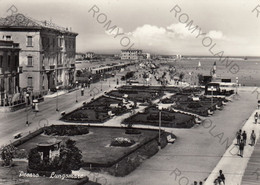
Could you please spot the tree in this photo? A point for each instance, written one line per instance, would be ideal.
(181, 76)
(34, 159)
(70, 157)
(7, 155)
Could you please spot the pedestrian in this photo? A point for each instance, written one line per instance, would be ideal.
(256, 117)
(244, 137)
(200, 183)
(238, 136)
(195, 183)
(221, 177)
(241, 148)
(252, 138)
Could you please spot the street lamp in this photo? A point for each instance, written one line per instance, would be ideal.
(236, 84)
(101, 82)
(57, 109)
(76, 91)
(27, 114)
(160, 120)
(212, 95)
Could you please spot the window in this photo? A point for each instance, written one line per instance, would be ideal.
(29, 61)
(9, 60)
(29, 41)
(53, 42)
(29, 82)
(1, 61)
(16, 60)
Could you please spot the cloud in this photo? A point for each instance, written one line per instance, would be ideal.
(216, 35)
(148, 31)
(179, 30)
(115, 31)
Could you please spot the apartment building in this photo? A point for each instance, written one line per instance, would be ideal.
(131, 54)
(47, 52)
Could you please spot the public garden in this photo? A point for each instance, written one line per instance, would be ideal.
(98, 110)
(169, 118)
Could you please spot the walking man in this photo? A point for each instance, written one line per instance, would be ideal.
(221, 177)
(244, 135)
(241, 148)
(252, 137)
(238, 136)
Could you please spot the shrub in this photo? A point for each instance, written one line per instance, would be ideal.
(69, 130)
(7, 155)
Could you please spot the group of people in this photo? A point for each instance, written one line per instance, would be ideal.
(220, 180)
(196, 183)
(241, 140)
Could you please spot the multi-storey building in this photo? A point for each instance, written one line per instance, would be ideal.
(131, 54)
(90, 55)
(47, 52)
(9, 71)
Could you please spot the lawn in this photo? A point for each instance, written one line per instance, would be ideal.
(168, 118)
(95, 145)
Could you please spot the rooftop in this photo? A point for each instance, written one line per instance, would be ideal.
(21, 21)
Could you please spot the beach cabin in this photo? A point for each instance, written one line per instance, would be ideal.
(220, 88)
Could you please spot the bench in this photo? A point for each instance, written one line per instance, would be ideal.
(210, 112)
(170, 139)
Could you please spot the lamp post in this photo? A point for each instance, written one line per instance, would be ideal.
(236, 84)
(160, 120)
(27, 114)
(76, 91)
(212, 95)
(57, 102)
(101, 82)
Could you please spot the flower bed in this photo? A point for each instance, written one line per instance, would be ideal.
(122, 142)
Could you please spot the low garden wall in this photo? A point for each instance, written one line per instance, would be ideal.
(13, 107)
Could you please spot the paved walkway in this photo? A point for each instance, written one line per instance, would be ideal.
(232, 165)
(252, 172)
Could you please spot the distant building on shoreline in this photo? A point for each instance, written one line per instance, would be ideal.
(131, 54)
(90, 55)
(80, 56)
(47, 52)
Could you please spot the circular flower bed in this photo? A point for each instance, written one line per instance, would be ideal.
(122, 141)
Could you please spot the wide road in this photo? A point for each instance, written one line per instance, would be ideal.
(13, 122)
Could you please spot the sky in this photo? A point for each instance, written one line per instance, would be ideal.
(228, 26)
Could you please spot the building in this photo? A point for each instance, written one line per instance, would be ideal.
(9, 72)
(90, 55)
(131, 54)
(47, 52)
(49, 150)
(80, 56)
